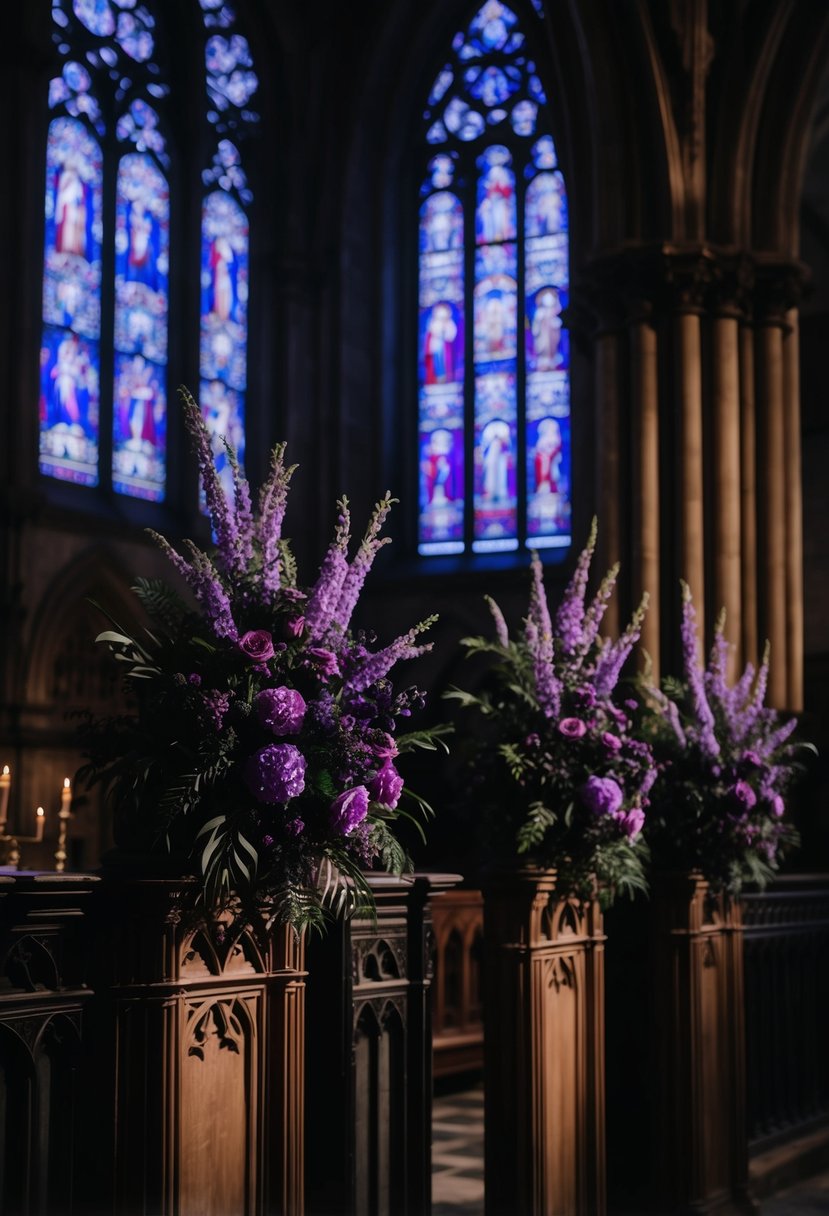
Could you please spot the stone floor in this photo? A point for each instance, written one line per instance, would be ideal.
(458, 1165)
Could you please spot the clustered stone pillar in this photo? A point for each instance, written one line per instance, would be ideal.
(718, 451)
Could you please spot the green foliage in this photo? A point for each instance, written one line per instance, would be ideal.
(532, 831)
(162, 603)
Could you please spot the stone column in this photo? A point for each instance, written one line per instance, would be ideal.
(778, 476)
(794, 512)
(644, 426)
(727, 442)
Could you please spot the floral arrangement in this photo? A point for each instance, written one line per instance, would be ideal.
(559, 774)
(725, 764)
(263, 748)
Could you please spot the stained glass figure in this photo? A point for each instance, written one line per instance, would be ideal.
(502, 396)
(546, 259)
(70, 354)
(496, 211)
(441, 345)
(142, 243)
(224, 296)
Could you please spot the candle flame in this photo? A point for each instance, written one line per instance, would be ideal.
(40, 812)
(6, 770)
(66, 783)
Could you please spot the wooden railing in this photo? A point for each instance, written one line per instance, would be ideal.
(787, 1009)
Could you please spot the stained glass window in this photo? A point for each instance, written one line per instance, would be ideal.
(494, 387)
(142, 241)
(231, 83)
(70, 356)
(109, 140)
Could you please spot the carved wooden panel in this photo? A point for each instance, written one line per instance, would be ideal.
(218, 1097)
(543, 1061)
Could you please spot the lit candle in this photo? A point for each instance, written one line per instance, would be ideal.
(5, 785)
(40, 822)
(63, 822)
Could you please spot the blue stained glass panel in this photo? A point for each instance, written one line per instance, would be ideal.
(495, 213)
(441, 463)
(223, 410)
(441, 223)
(441, 375)
(224, 291)
(139, 427)
(546, 205)
(70, 357)
(142, 251)
(492, 87)
(548, 459)
(547, 415)
(69, 406)
(96, 15)
(495, 305)
(496, 447)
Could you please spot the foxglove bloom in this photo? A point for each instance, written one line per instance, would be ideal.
(281, 710)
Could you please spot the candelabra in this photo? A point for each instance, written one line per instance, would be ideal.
(10, 842)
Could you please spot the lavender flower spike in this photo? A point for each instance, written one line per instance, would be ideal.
(570, 616)
(690, 653)
(362, 563)
(501, 631)
(221, 517)
(205, 582)
(615, 655)
(243, 554)
(325, 595)
(273, 498)
(595, 613)
(378, 665)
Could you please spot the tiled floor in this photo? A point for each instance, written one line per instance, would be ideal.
(458, 1154)
(458, 1165)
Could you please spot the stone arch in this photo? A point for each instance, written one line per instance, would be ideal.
(60, 668)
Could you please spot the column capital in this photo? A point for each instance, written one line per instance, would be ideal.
(780, 284)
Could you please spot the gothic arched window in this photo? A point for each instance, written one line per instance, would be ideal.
(107, 245)
(494, 386)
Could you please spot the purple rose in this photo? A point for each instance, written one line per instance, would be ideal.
(294, 626)
(386, 786)
(572, 728)
(275, 773)
(257, 644)
(280, 709)
(745, 795)
(348, 809)
(777, 806)
(632, 822)
(325, 661)
(611, 741)
(601, 795)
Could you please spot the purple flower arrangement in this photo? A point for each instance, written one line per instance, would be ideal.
(559, 773)
(265, 745)
(726, 762)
